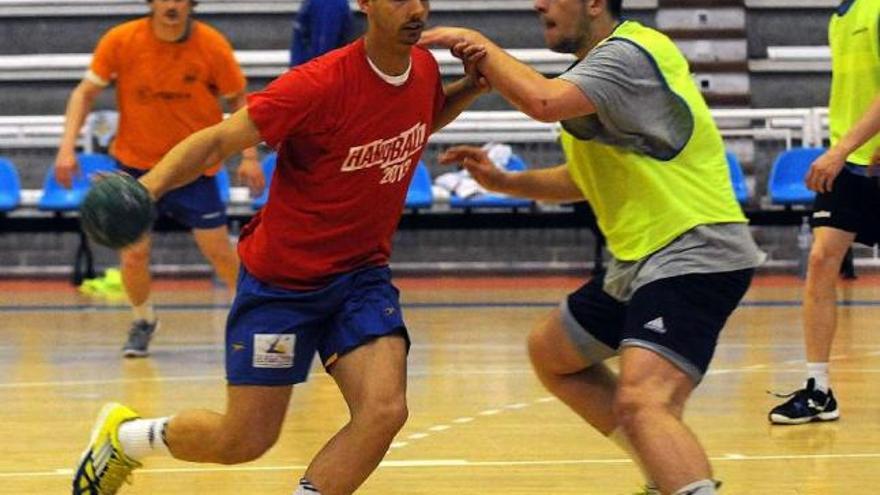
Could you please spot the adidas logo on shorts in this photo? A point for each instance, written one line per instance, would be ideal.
(656, 325)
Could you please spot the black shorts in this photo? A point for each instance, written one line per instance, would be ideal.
(853, 205)
(679, 318)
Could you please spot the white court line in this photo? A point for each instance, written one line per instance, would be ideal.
(433, 463)
(220, 378)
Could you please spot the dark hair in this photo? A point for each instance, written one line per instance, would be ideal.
(616, 8)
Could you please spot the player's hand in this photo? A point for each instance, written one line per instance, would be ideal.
(824, 170)
(66, 168)
(477, 162)
(250, 173)
(470, 55)
(448, 37)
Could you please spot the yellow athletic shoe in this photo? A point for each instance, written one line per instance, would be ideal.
(103, 467)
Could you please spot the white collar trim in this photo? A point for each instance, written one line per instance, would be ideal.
(392, 80)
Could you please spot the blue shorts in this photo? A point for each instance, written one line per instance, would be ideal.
(272, 333)
(196, 205)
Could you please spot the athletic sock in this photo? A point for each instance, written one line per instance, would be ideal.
(144, 312)
(819, 373)
(702, 487)
(142, 437)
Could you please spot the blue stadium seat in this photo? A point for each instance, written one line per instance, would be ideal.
(57, 198)
(223, 184)
(786, 184)
(419, 194)
(268, 169)
(10, 186)
(492, 200)
(737, 178)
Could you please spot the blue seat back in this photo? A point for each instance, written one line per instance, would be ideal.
(96, 163)
(268, 170)
(58, 198)
(786, 184)
(419, 194)
(223, 184)
(737, 178)
(10, 186)
(516, 164)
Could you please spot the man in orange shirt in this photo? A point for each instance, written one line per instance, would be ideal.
(170, 72)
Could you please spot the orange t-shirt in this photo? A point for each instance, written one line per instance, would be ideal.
(165, 91)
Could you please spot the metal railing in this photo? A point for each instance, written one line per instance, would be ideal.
(255, 63)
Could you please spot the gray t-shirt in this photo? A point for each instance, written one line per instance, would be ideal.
(634, 107)
(711, 248)
(636, 110)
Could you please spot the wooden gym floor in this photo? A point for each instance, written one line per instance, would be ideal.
(480, 422)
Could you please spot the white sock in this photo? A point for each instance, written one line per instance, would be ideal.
(619, 438)
(144, 312)
(702, 487)
(142, 437)
(819, 372)
(306, 488)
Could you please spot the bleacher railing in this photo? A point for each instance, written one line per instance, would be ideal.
(807, 126)
(802, 127)
(255, 63)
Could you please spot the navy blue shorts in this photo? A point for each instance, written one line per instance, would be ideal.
(679, 318)
(196, 205)
(272, 333)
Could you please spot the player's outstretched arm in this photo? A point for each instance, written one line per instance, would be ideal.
(553, 184)
(195, 154)
(79, 105)
(547, 100)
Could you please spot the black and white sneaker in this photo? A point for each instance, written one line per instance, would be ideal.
(139, 335)
(804, 406)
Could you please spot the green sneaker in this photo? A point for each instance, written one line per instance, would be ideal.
(103, 466)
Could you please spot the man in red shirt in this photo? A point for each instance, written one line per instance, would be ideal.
(349, 128)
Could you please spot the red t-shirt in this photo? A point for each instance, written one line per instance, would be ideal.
(348, 143)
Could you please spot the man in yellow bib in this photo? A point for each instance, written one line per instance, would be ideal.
(642, 148)
(847, 206)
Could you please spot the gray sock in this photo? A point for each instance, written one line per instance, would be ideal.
(702, 487)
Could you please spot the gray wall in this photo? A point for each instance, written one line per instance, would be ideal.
(786, 27)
